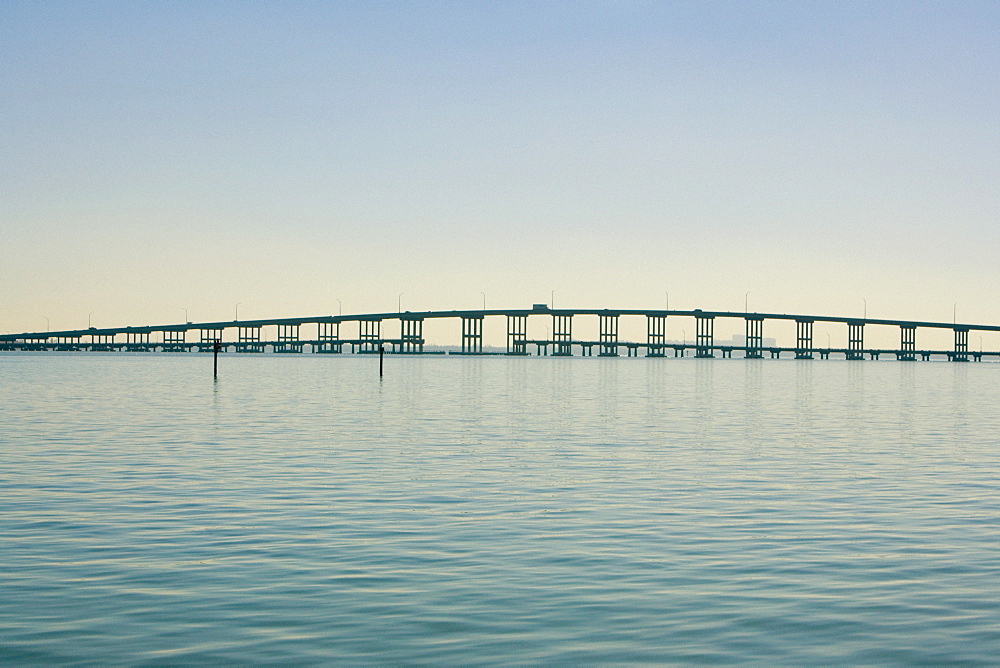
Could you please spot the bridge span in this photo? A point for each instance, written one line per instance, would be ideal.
(365, 334)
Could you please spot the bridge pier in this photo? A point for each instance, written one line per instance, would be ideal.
(472, 335)
(369, 335)
(609, 335)
(35, 343)
(328, 337)
(907, 343)
(174, 341)
(803, 339)
(208, 338)
(71, 343)
(961, 353)
(411, 334)
(102, 342)
(705, 335)
(288, 339)
(656, 335)
(562, 335)
(248, 340)
(517, 334)
(137, 341)
(755, 336)
(855, 340)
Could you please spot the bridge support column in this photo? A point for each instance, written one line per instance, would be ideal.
(609, 335)
(40, 343)
(656, 335)
(72, 343)
(562, 335)
(174, 341)
(472, 335)
(369, 335)
(855, 340)
(411, 334)
(248, 340)
(328, 338)
(907, 343)
(207, 338)
(137, 341)
(803, 339)
(961, 353)
(755, 336)
(705, 335)
(517, 334)
(97, 341)
(288, 339)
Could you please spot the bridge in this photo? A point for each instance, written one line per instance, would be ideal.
(365, 333)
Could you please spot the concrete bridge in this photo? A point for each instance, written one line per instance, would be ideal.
(365, 334)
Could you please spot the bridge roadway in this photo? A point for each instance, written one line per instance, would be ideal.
(248, 335)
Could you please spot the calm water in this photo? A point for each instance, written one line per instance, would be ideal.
(496, 510)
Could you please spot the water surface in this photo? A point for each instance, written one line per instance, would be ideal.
(497, 510)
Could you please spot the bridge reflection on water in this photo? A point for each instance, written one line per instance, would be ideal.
(365, 334)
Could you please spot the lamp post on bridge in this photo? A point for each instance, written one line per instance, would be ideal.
(340, 308)
(484, 300)
(864, 315)
(746, 303)
(954, 314)
(399, 302)
(47, 327)
(88, 319)
(186, 319)
(238, 311)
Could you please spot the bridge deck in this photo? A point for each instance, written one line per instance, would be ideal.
(139, 338)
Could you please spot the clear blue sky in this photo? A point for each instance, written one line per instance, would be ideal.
(161, 156)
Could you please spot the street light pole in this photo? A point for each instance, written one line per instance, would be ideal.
(484, 300)
(88, 319)
(954, 314)
(47, 327)
(746, 303)
(340, 308)
(186, 320)
(399, 302)
(238, 311)
(865, 314)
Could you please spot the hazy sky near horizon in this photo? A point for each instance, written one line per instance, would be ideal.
(194, 155)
